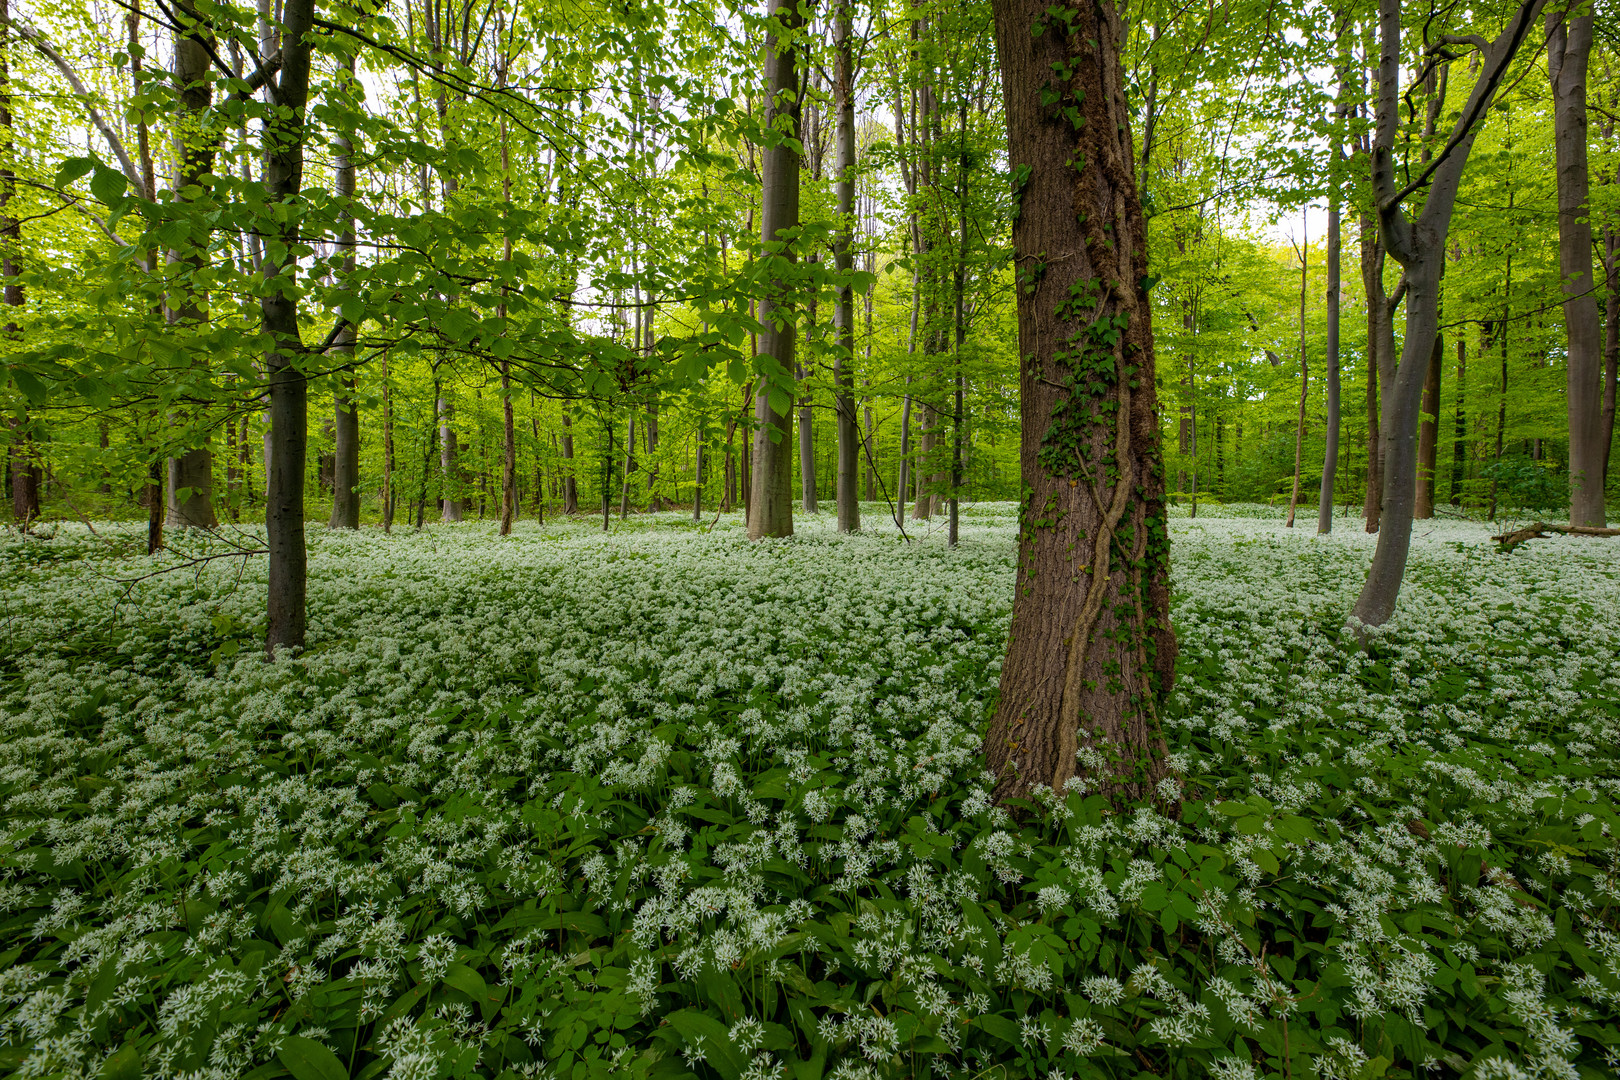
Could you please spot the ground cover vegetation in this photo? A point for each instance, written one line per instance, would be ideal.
(912, 791)
(669, 803)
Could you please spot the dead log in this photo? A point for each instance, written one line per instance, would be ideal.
(1507, 541)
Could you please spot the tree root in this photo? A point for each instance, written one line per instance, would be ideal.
(1507, 541)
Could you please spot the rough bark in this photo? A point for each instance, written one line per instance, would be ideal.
(770, 509)
(289, 388)
(1091, 649)
(846, 496)
(1569, 48)
(1418, 244)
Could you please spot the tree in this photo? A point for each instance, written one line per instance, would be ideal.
(346, 419)
(849, 449)
(770, 510)
(1418, 243)
(285, 360)
(1569, 48)
(1091, 651)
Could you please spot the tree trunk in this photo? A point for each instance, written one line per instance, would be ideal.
(770, 511)
(901, 490)
(1429, 432)
(289, 388)
(24, 462)
(570, 483)
(388, 496)
(508, 435)
(193, 471)
(346, 425)
(1459, 428)
(450, 502)
(1335, 255)
(1611, 343)
(1304, 379)
(1569, 47)
(846, 495)
(1091, 650)
(1418, 244)
(629, 466)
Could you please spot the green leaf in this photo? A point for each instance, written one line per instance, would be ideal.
(75, 168)
(307, 1059)
(708, 1036)
(124, 1065)
(32, 389)
(108, 185)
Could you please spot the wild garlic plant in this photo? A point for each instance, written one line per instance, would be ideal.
(668, 803)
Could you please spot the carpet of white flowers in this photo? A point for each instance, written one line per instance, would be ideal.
(665, 803)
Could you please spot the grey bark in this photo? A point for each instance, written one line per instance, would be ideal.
(1569, 48)
(770, 510)
(346, 425)
(846, 496)
(289, 388)
(1418, 244)
(450, 504)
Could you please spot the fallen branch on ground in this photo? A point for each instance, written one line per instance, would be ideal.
(1507, 541)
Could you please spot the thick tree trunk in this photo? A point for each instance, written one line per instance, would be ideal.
(846, 496)
(1429, 432)
(1091, 651)
(1569, 47)
(1418, 243)
(770, 510)
(289, 388)
(922, 506)
(1380, 364)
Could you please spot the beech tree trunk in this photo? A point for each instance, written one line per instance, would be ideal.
(1459, 429)
(1335, 278)
(1304, 382)
(1429, 432)
(192, 473)
(570, 484)
(846, 496)
(1569, 47)
(450, 505)
(388, 492)
(1611, 343)
(289, 387)
(1091, 651)
(24, 462)
(770, 508)
(1418, 244)
(346, 418)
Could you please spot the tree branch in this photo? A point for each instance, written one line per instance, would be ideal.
(45, 49)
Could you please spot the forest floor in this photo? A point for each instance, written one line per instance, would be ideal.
(663, 802)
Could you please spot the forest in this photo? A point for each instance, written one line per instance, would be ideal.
(962, 538)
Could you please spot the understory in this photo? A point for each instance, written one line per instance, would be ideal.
(664, 802)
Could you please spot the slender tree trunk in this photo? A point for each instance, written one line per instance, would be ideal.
(388, 494)
(1429, 432)
(1091, 650)
(770, 511)
(289, 389)
(508, 435)
(346, 426)
(1459, 430)
(1418, 244)
(849, 449)
(24, 460)
(1569, 48)
(1611, 344)
(570, 483)
(450, 501)
(901, 490)
(193, 471)
(629, 465)
(1335, 255)
(1304, 379)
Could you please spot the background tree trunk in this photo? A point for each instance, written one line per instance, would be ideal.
(1335, 277)
(846, 496)
(1569, 48)
(289, 388)
(193, 471)
(450, 504)
(346, 418)
(1091, 650)
(1459, 430)
(570, 483)
(24, 462)
(770, 509)
(1429, 432)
